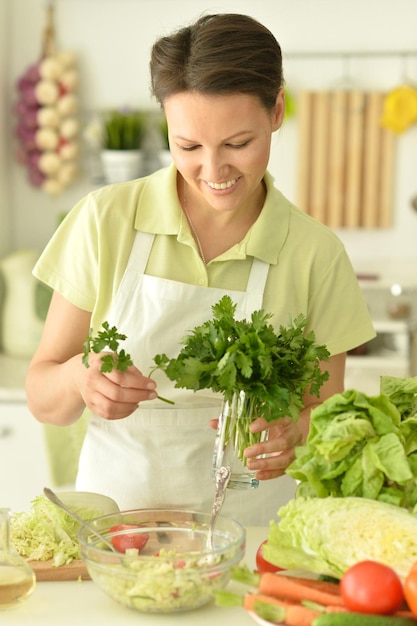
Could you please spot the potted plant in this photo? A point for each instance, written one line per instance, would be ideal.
(121, 139)
(123, 129)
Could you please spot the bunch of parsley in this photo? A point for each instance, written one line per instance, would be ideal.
(228, 355)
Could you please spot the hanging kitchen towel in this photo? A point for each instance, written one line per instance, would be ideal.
(346, 159)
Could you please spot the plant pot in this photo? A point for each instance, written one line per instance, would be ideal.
(234, 436)
(121, 165)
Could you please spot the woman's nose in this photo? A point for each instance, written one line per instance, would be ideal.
(215, 166)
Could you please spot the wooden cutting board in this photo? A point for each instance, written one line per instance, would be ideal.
(346, 159)
(46, 571)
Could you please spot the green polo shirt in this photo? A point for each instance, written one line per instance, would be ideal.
(309, 272)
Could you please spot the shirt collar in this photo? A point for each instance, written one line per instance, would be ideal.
(159, 211)
(267, 236)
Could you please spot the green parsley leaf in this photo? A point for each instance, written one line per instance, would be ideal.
(108, 338)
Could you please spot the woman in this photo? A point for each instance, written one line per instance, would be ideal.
(153, 255)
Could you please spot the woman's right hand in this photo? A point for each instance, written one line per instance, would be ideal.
(114, 395)
(59, 386)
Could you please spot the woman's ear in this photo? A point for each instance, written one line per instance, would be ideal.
(279, 110)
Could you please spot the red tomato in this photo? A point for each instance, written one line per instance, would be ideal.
(126, 541)
(262, 565)
(410, 589)
(371, 587)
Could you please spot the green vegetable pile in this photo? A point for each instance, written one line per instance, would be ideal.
(228, 355)
(363, 446)
(47, 532)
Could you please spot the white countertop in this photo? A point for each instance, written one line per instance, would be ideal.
(83, 603)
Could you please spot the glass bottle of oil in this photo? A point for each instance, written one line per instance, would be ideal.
(17, 580)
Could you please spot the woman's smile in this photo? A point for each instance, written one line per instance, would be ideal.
(225, 185)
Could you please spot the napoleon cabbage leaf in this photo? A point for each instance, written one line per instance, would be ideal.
(47, 532)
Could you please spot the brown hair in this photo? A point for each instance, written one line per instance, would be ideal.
(218, 54)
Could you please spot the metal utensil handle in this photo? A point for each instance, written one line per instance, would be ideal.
(222, 478)
(56, 500)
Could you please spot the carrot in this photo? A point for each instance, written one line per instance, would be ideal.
(250, 599)
(270, 608)
(298, 615)
(291, 614)
(321, 585)
(290, 588)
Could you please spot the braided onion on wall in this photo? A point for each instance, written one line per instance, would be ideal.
(48, 127)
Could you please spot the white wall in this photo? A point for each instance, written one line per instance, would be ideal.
(112, 39)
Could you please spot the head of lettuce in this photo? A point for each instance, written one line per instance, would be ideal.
(363, 446)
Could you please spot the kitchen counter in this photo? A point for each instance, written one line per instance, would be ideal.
(69, 603)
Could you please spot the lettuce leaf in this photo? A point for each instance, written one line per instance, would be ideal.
(402, 392)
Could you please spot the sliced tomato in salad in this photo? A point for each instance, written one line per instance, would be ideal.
(126, 541)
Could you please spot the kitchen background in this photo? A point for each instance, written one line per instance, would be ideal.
(327, 45)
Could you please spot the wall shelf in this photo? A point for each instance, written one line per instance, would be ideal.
(348, 54)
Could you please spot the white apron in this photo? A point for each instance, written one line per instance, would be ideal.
(161, 455)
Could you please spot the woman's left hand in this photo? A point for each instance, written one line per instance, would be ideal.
(283, 436)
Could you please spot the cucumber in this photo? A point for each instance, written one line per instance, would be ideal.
(326, 578)
(361, 619)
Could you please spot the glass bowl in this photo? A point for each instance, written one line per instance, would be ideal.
(173, 571)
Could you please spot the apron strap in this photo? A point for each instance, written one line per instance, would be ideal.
(257, 277)
(256, 285)
(140, 251)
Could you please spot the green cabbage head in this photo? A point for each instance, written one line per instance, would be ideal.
(329, 535)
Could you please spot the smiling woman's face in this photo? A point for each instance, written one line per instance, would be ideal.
(221, 145)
